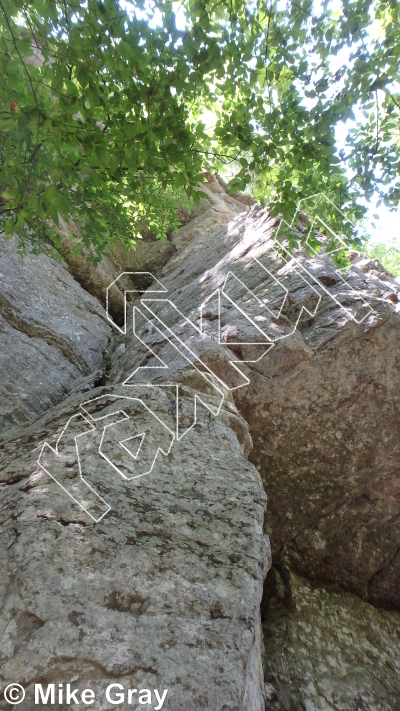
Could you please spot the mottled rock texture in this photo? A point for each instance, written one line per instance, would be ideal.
(327, 650)
(149, 255)
(165, 590)
(322, 405)
(52, 333)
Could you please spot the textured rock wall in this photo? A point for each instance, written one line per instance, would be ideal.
(327, 650)
(163, 593)
(165, 590)
(322, 405)
(52, 334)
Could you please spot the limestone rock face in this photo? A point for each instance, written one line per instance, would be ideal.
(322, 403)
(162, 593)
(150, 254)
(324, 418)
(286, 369)
(52, 333)
(326, 650)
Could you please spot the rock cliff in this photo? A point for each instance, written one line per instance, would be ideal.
(276, 380)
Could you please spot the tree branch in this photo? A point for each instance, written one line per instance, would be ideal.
(266, 54)
(19, 55)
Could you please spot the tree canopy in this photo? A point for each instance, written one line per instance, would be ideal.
(110, 111)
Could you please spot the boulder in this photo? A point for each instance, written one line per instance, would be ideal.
(115, 572)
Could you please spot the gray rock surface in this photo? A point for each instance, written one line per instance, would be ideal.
(150, 254)
(163, 593)
(322, 404)
(52, 333)
(326, 650)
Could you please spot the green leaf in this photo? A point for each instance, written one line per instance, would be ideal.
(10, 194)
(124, 114)
(53, 212)
(9, 228)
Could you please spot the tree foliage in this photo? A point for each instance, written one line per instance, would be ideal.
(105, 108)
(388, 253)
